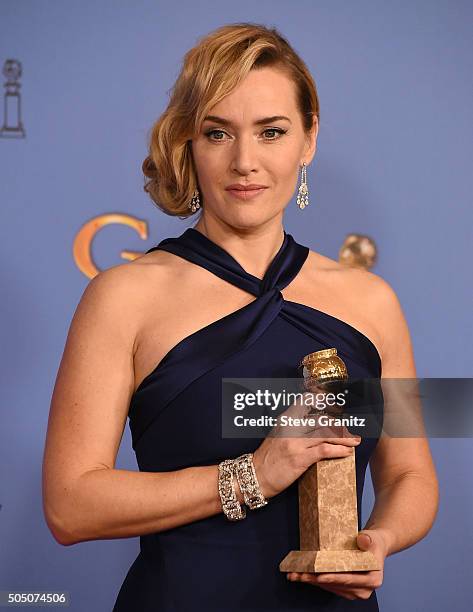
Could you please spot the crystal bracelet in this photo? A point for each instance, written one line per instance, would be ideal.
(232, 508)
(249, 486)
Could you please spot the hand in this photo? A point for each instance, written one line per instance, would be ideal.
(289, 450)
(353, 585)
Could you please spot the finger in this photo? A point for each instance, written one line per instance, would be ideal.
(334, 435)
(352, 580)
(324, 450)
(345, 580)
(347, 592)
(318, 438)
(297, 425)
(312, 579)
(294, 428)
(330, 430)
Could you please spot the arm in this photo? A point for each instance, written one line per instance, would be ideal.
(84, 496)
(402, 469)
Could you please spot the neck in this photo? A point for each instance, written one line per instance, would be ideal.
(253, 248)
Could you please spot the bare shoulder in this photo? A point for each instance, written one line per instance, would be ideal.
(327, 264)
(159, 262)
(134, 288)
(357, 283)
(372, 299)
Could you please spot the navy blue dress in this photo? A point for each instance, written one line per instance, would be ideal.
(175, 421)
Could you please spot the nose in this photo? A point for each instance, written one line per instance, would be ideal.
(244, 152)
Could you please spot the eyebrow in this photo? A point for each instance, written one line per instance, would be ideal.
(262, 121)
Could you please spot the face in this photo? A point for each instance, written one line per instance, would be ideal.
(253, 136)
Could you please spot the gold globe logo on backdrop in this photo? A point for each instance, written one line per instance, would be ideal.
(82, 247)
(357, 250)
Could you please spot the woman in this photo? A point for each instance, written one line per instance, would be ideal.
(233, 296)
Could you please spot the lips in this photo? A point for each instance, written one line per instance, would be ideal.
(239, 187)
(243, 193)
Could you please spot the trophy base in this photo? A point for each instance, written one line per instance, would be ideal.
(313, 561)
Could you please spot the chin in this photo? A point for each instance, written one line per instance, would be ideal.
(245, 220)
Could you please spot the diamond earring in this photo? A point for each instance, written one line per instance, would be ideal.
(303, 195)
(194, 204)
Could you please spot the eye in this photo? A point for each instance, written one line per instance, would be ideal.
(210, 132)
(277, 131)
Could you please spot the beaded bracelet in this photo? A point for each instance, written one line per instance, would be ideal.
(232, 508)
(246, 476)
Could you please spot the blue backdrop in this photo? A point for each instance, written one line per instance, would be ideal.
(393, 161)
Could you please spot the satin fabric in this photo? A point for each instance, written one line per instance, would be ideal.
(175, 422)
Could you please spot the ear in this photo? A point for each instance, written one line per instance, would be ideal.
(311, 142)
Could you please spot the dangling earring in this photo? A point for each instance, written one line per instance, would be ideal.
(303, 195)
(194, 204)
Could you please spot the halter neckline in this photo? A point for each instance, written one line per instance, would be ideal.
(198, 235)
(201, 250)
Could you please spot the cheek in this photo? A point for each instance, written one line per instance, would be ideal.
(209, 179)
(284, 164)
(286, 175)
(208, 166)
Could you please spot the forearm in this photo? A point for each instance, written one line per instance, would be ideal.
(111, 503)
(405, 511)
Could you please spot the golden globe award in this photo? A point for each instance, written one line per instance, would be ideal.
(328, 518)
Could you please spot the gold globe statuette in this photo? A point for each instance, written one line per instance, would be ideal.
(328, 517)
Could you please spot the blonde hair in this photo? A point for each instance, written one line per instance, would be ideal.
(210, 71)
